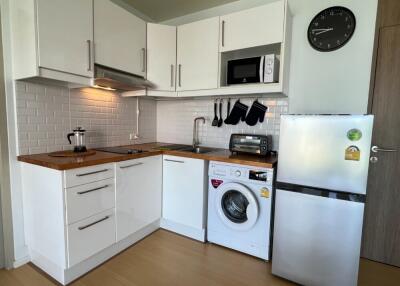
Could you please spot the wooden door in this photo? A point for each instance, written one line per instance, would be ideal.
(161, 56)
(65, 32)
(381, 240)
(253, 27)
(198, 55)
(120, 38)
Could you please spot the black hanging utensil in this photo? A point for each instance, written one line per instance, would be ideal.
(220, 121)
(215, 120)
(228, 109)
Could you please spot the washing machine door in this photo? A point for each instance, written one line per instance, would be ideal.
(236, 206)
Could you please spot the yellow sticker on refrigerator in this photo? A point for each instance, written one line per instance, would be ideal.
(353, 153)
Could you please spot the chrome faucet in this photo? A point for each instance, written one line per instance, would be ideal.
(195, 133)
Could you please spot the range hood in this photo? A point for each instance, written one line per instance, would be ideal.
(112, 79)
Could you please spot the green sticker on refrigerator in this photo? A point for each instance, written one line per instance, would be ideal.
(354, 134)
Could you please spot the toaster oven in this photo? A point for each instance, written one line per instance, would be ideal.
(251, 144)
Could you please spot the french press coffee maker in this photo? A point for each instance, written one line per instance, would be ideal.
(79, 139)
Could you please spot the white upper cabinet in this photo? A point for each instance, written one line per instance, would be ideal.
(198, 55)
(138, 194)
(161, 56)
(52, 39)
(254, 27)
(66, 35)
(119, 37)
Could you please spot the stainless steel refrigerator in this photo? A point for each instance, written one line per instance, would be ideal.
(321, 186)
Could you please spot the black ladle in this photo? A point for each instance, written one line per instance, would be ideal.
(220, 121)
(215, 120)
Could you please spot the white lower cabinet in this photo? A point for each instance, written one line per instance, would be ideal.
(138, 194)
(90, 236)
(77, 219)
(185, 196)
(90, 199)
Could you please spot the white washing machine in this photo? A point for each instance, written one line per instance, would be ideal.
(239, 208)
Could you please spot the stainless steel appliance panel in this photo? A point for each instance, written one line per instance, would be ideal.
(316, 239)
(312, 151)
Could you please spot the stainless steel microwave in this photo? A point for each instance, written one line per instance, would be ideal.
(263, 69)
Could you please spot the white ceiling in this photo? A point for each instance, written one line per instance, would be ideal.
(161, 10)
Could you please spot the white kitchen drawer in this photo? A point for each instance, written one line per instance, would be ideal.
(90, 199)
(81, 176)
(90, 236)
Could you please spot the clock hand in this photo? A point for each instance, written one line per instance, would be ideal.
(323, 31)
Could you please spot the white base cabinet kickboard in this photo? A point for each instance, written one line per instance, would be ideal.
(77, 219)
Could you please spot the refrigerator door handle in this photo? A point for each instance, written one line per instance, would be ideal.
(377, 149)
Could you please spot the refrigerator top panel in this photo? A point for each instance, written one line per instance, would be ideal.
(325, 151)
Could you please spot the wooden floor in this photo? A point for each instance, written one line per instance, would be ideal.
(168, 259)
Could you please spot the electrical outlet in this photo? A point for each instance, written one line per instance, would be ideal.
(133, 136)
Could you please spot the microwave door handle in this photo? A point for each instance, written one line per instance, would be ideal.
(262, 61)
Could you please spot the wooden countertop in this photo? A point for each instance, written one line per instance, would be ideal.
(152, 149)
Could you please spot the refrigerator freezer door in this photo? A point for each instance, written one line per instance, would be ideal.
(316, 151)
(316, 240)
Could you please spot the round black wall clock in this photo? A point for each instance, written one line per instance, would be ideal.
(331, 29)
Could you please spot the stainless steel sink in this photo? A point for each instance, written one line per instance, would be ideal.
(197, 150)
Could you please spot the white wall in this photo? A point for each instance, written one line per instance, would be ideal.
(16, 249)
(334, 82)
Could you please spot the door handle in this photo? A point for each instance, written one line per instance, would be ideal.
(180, 75)
(174, 161)
(172, 75)
(93, 223)
(91, 173)
(144, 59)
(223, 34)
(377, 149)
(92, 190)
(130, 166)
(89, 44)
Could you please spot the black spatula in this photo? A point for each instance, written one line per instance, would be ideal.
(215, 120)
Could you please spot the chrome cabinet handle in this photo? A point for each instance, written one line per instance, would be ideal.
(180, 75)
(89, 44)
(172, 75)
(130, 166)
(376, 149)
(93, 223)
(91, 173)
(144, 60)
(92, 190)
(174, 161)
(223, 33)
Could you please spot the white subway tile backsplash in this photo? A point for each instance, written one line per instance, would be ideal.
(46, 114)
(175, 121)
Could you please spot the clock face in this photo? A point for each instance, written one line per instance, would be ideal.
(331, 29)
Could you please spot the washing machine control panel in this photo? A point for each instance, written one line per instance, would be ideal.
(243, 173)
